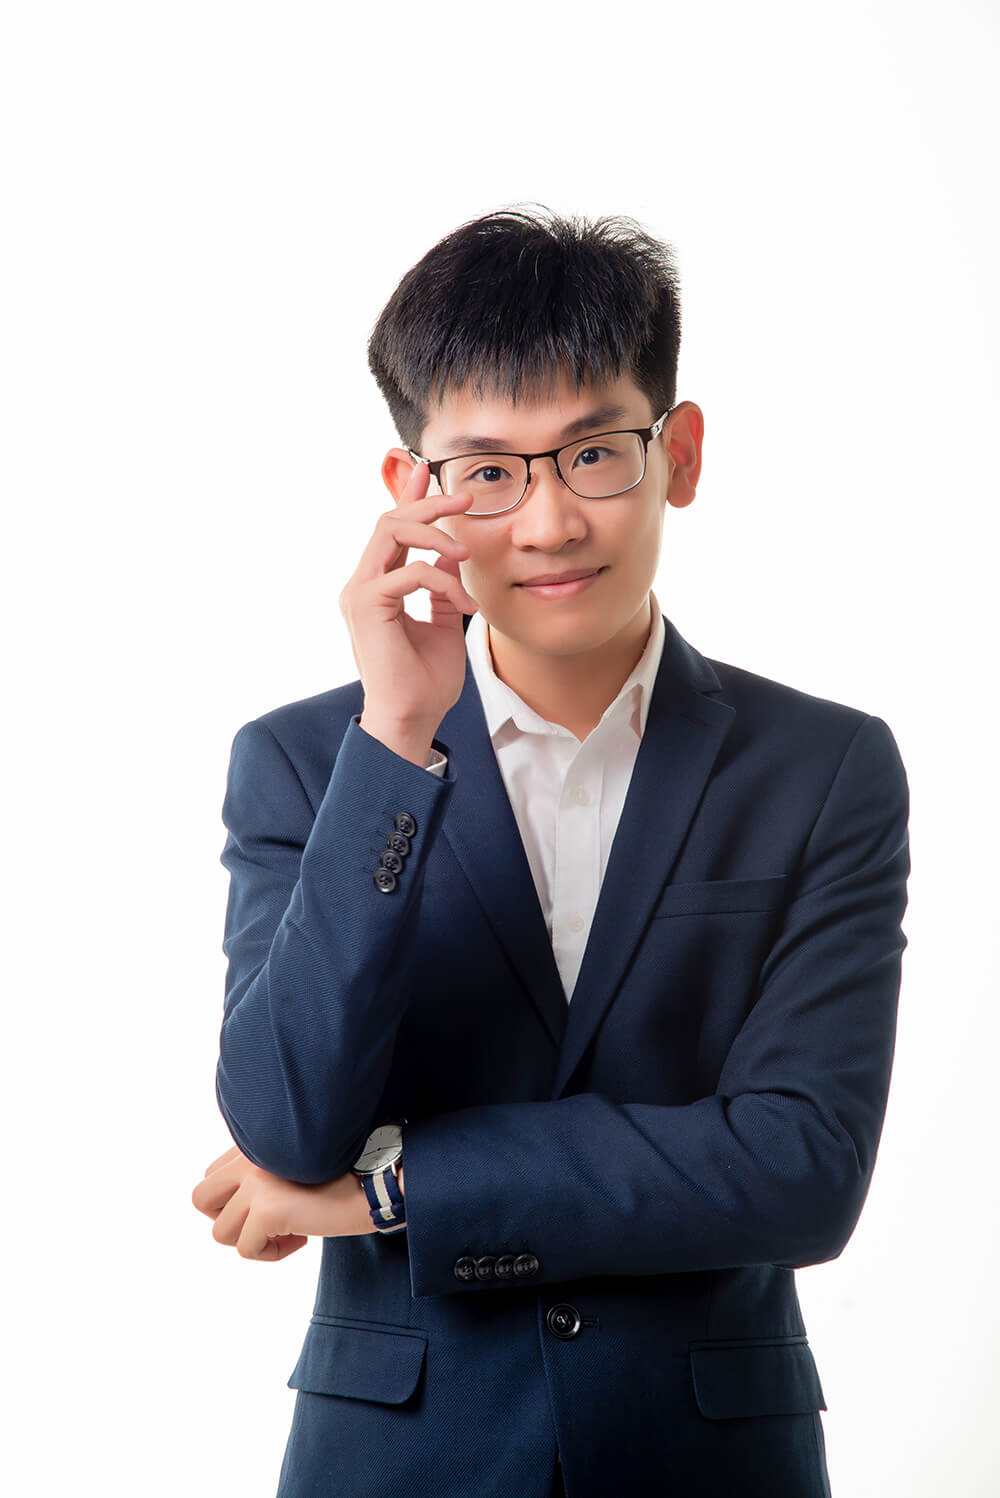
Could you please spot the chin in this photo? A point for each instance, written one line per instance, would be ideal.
(562, 637)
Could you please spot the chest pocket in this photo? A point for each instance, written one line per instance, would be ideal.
(721, 897)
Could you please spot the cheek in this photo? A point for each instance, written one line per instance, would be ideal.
(476, 564)
(646, 536)
(475, 576)
(482, 565)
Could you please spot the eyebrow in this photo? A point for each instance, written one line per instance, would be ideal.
(593, 419)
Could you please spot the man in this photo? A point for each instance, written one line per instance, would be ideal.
(563, 961)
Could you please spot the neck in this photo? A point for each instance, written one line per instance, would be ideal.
(572, 690)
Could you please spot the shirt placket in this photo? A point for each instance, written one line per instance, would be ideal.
(577, 869)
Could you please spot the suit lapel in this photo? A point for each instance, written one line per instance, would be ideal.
(482, 831)
(685, 729)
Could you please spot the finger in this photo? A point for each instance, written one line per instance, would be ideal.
(229, 1224)
(224, 1159)
(401, 533)
(269, 1254)
(273, 1250)
(444, 610)
(213, 1191)
(431, 506)
(417, 483)
(384, 552)
(287, 1243)
(254, 1241)
(210, 1199)
(393, 587)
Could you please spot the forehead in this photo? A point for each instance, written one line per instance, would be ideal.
(541, 418)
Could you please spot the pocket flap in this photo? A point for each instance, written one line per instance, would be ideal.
(761, 1378)
(359, 1362)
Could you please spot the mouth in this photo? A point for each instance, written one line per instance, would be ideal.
(560, 585)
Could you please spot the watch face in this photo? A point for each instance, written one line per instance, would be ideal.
(382, 1147)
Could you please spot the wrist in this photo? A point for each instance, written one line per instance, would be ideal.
(409, 740)
(379, 1168)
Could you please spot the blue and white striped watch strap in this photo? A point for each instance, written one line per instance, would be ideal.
(385, 1200)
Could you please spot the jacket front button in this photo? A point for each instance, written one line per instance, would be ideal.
(525, 1264)
(563, 1321)
(404, 823)
(485, 1267)
(504, 1267)
(385, 880)
(465, 1268)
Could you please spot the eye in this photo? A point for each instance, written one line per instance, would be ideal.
(494, 468)
(593, 450)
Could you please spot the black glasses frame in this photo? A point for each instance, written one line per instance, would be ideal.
(646, 433)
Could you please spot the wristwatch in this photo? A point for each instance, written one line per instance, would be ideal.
(377, 1166)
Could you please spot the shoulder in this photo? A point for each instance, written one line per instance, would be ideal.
(759, 702)
(780, 730)
(769, 700)
(795, 730)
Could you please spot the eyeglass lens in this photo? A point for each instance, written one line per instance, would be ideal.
(593, 469)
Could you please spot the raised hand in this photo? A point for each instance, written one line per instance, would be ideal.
(412, 670)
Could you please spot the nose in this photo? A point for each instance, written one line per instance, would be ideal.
(550, 514)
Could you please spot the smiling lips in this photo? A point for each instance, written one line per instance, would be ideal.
(561, 584)
(559, 577)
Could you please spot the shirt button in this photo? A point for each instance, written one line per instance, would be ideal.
(581, 795)
(575, 923)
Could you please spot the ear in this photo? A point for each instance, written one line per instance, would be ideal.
(683, 434)
(397, 465)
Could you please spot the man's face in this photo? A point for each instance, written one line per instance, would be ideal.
(553, 530)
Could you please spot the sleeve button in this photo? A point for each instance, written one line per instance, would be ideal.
(525, 1264)
(398, 842)
(465, 1268)
(404, 823)
(385, 880)
(391, 861)
(485, 1267)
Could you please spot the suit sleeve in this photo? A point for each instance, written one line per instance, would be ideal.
(774, 1167)
(316, 984)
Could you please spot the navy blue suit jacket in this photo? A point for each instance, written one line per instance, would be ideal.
(657, 1156)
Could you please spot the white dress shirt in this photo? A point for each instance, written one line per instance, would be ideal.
(567, 796)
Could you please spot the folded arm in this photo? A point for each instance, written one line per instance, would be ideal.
(773, 1168)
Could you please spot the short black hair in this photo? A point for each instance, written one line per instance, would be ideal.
(510, 299)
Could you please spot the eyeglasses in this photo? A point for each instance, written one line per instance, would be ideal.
(595, 467)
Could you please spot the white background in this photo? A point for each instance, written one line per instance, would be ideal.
(206, 207)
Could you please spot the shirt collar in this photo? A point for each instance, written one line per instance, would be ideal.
(502, 705)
